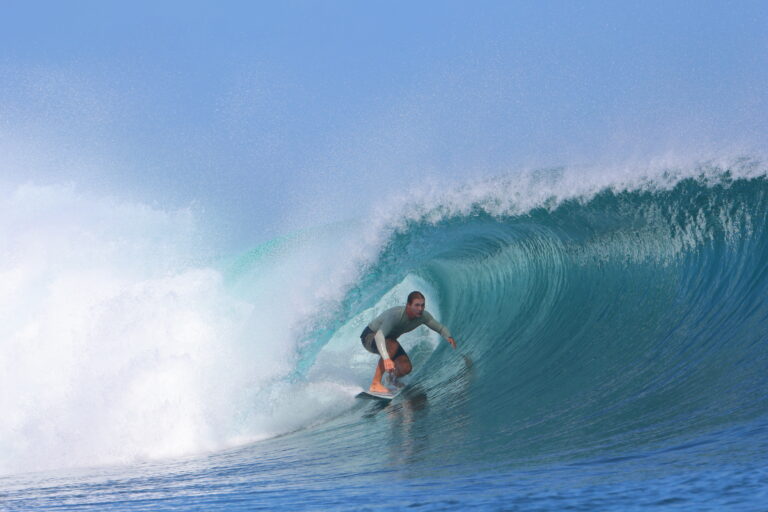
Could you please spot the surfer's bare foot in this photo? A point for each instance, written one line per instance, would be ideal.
(378, 389)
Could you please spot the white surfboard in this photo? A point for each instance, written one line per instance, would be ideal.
(376, 396)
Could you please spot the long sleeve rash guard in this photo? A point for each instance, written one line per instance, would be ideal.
(394, 322)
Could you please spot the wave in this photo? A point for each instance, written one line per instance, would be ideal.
(605, 323)
(595, 311)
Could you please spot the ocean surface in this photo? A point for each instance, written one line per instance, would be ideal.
(612, 331)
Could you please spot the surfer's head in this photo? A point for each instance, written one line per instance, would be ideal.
(415, 306)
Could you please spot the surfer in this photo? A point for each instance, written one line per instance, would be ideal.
(380, 337)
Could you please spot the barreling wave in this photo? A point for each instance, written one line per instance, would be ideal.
(602, 323)
(596, 313)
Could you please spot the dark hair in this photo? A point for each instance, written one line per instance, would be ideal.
(415, 295)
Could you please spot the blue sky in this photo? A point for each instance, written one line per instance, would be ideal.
(256, 110)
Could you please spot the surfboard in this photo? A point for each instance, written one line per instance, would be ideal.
(376, 396)
(390, 381)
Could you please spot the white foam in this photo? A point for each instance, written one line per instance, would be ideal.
(522, 190)
(119, 345)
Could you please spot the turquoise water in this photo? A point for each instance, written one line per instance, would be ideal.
(612, 355)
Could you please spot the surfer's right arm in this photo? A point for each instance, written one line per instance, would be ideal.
(381, 344)
(383, 324)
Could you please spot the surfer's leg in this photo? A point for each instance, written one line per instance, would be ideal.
(403, 365)
(400, 358)
(396, 353)
(376, 384)
(367, 337)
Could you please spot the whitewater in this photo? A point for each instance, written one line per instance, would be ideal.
(611, 349)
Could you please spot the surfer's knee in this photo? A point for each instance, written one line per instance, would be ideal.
(404, 366)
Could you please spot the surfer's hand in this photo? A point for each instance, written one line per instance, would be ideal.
(452, 342)
(389, 365)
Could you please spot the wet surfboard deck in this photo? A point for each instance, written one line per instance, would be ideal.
(377, 396)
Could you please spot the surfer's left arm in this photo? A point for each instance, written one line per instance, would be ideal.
(439, 328)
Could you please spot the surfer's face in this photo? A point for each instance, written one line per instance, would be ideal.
(415, 308)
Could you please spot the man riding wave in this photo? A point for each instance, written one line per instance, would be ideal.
(380, 337)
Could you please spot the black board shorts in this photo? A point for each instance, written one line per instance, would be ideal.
(369, 343)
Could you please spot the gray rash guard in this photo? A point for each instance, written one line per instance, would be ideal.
(394, 322)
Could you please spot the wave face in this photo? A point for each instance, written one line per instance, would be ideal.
(611, 341)
(608, 325)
